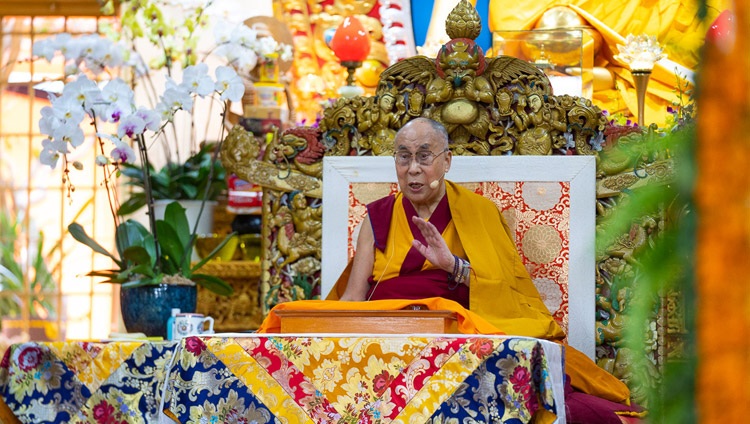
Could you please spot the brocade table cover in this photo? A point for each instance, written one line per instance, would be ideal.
(83, 382)
(286, 379)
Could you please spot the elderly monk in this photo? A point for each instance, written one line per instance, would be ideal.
(437, 239)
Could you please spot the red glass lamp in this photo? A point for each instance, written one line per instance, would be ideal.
(351, 44)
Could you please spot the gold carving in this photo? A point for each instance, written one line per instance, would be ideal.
(488, 105)
(239, 148)
(297, 149)
(299, 229)
(463, 21)
(241, 311)
(619, 182)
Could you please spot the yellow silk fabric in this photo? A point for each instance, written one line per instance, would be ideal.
(388, 262)
(675, 23)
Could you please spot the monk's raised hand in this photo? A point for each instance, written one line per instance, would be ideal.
(436, 250)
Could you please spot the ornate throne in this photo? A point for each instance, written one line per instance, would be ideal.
(490, 106)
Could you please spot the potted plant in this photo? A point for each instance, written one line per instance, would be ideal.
(156, 274)
(155, 256)
(153, 263)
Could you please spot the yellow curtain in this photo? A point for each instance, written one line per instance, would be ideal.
(675, 24)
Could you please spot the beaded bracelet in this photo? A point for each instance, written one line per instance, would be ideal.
(460, 274)
(455, 268)
(463, 273)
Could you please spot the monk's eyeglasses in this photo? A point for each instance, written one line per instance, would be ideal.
(423, 157)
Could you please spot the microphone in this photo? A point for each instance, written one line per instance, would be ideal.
(435, 183)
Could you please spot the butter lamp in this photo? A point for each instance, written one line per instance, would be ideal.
(640, 53)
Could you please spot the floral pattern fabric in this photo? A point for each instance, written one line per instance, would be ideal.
(81, 382)
(275, 379)
(280, 379)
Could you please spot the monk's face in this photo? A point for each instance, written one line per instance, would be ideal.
(430, 160)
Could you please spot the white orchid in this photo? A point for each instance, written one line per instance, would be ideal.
(131, 126)
(69, 133)
(84, 91)
(95, 53)
(229, 84)
(150, 118)
(123, 153)
(243, 48)
(177, 98)
(110, 106)
(195, 79)
(51, 152)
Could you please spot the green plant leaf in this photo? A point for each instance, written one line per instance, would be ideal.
(213, 283)
(135, 202)
(42, 277)
(172, 249)
(190, 192)
(150, 245)
(130, 233)
(78, 233)
(11, 277)
(213, 252)
(143, 269)
(138, 255)
(176, 217)
(179, 181)
(111, 276)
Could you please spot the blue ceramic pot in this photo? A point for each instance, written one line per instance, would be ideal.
(146, 309)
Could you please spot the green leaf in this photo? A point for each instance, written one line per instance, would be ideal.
(213, 253)
(176, 217)
(138, 255)
(185, 181)
(111, 276)
(190, 192)
(144, 270)
(78, 233)
(172, 248)
(150, 245)
(213, 283)
(135, 202)
(130, 233)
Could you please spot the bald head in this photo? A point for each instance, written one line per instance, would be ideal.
(427, 128)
